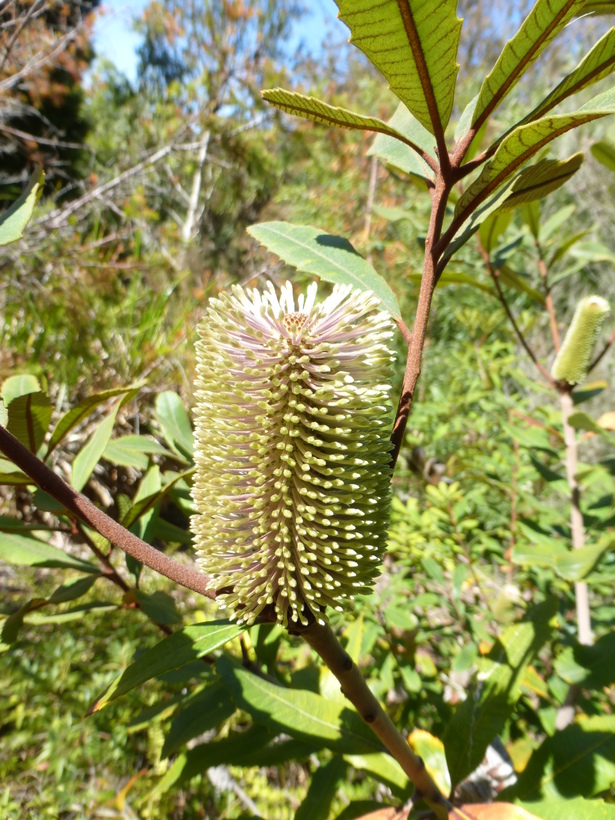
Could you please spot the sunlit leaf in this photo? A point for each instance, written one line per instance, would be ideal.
(431, 750)
(180, 648)
(590, 667)
(398, 154)
(20, 385)
(576, 808)
(544, 21)
(29, 418)
(90, 454)
(330, 257)
(542, 179)
(492, 811)
(175, 421)
(414, 45)
(384, 768)
(14, 220)
(28, 551)
(322, 790)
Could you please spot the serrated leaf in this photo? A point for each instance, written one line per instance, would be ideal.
(542, 179)
(577, 761)
(81, 411)
(29, 418)
(175, 421)
(590, 667)
(515, 150)
(414, 45)
(543, 23)
(604, 152)
(20, 385)
(597, 64)
(310, 108)
(31, 552)
(398, 154)
(497, 689)
(330, 257)
(90, 454)
(303, 714)
(14, 220)
(180, 648)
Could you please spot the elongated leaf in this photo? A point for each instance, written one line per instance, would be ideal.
(579, 761)
(514, 151)
(604, 152)
(398, 154)
(205, 711)
(542, 179)
(29, 418)
(322, 790)
(148, 502)
(454, 278)
(599, 7)
(88, 457)
(541, 25)
(597, 64)
(254, 747)
(27, 551)
(180, 648)
(133, 451)
(330, 257)
(316, 110)
(385, 769)
(81, 411)
(159, 607)
(72, 590)
(492, 228)
(14, 220)
(175, 421)
(493, 696)
(576, 809)
(431, 750)
(303, 714)
(590, 667)
(515, 280)
(20, 385)
(414, 45)
(12, 625)
(581, 421)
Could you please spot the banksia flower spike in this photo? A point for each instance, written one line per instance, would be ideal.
(292, 449)
(574, 356)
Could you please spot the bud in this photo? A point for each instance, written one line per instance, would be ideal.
(573, 359)
(293, 419)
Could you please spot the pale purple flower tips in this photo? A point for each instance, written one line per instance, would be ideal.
(293, 420)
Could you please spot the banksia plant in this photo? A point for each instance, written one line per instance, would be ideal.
(292, 454)
(572, 361)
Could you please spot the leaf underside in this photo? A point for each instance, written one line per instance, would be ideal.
(413, 43)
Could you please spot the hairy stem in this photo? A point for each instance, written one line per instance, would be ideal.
(325, 644)
(83, 509)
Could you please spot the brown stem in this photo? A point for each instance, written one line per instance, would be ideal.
(495, 276)
(323, 641)
(603, 352)
(112, 574)
(419, 331)
(83, 509)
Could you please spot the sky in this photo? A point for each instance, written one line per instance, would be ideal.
(115, 40)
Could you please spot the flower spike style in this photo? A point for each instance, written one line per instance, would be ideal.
(293, 421)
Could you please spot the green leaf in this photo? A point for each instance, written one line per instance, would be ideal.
(180, 648)
(571, 565)
(27, 551)
(597, 64)
(493, 696)
(205, 711)
(492, 228)
(159, 607)
(590, 667)
(322, 790)
(330, 257)
(599, 7)
(453, 278)
(81, 411)
(72, 590)
(147, 503)
(542, 24)
(588, 391)
(16, 386)
(12, 625)
(581, 421)
(14, 220)
(578, 761)
(576, 809)
(175, 421)
(303, 714)
(398, 154)
(384, 768)
(90, 454)
(515, 280)
(604, 152)
(542, 179)
(254, 747)
(515, 149)
(29, 418)
(414, 45)
(316, 110)
(133, 451)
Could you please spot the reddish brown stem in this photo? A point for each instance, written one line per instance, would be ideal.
(83, 509)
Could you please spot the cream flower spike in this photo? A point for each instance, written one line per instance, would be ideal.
(293, 420)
